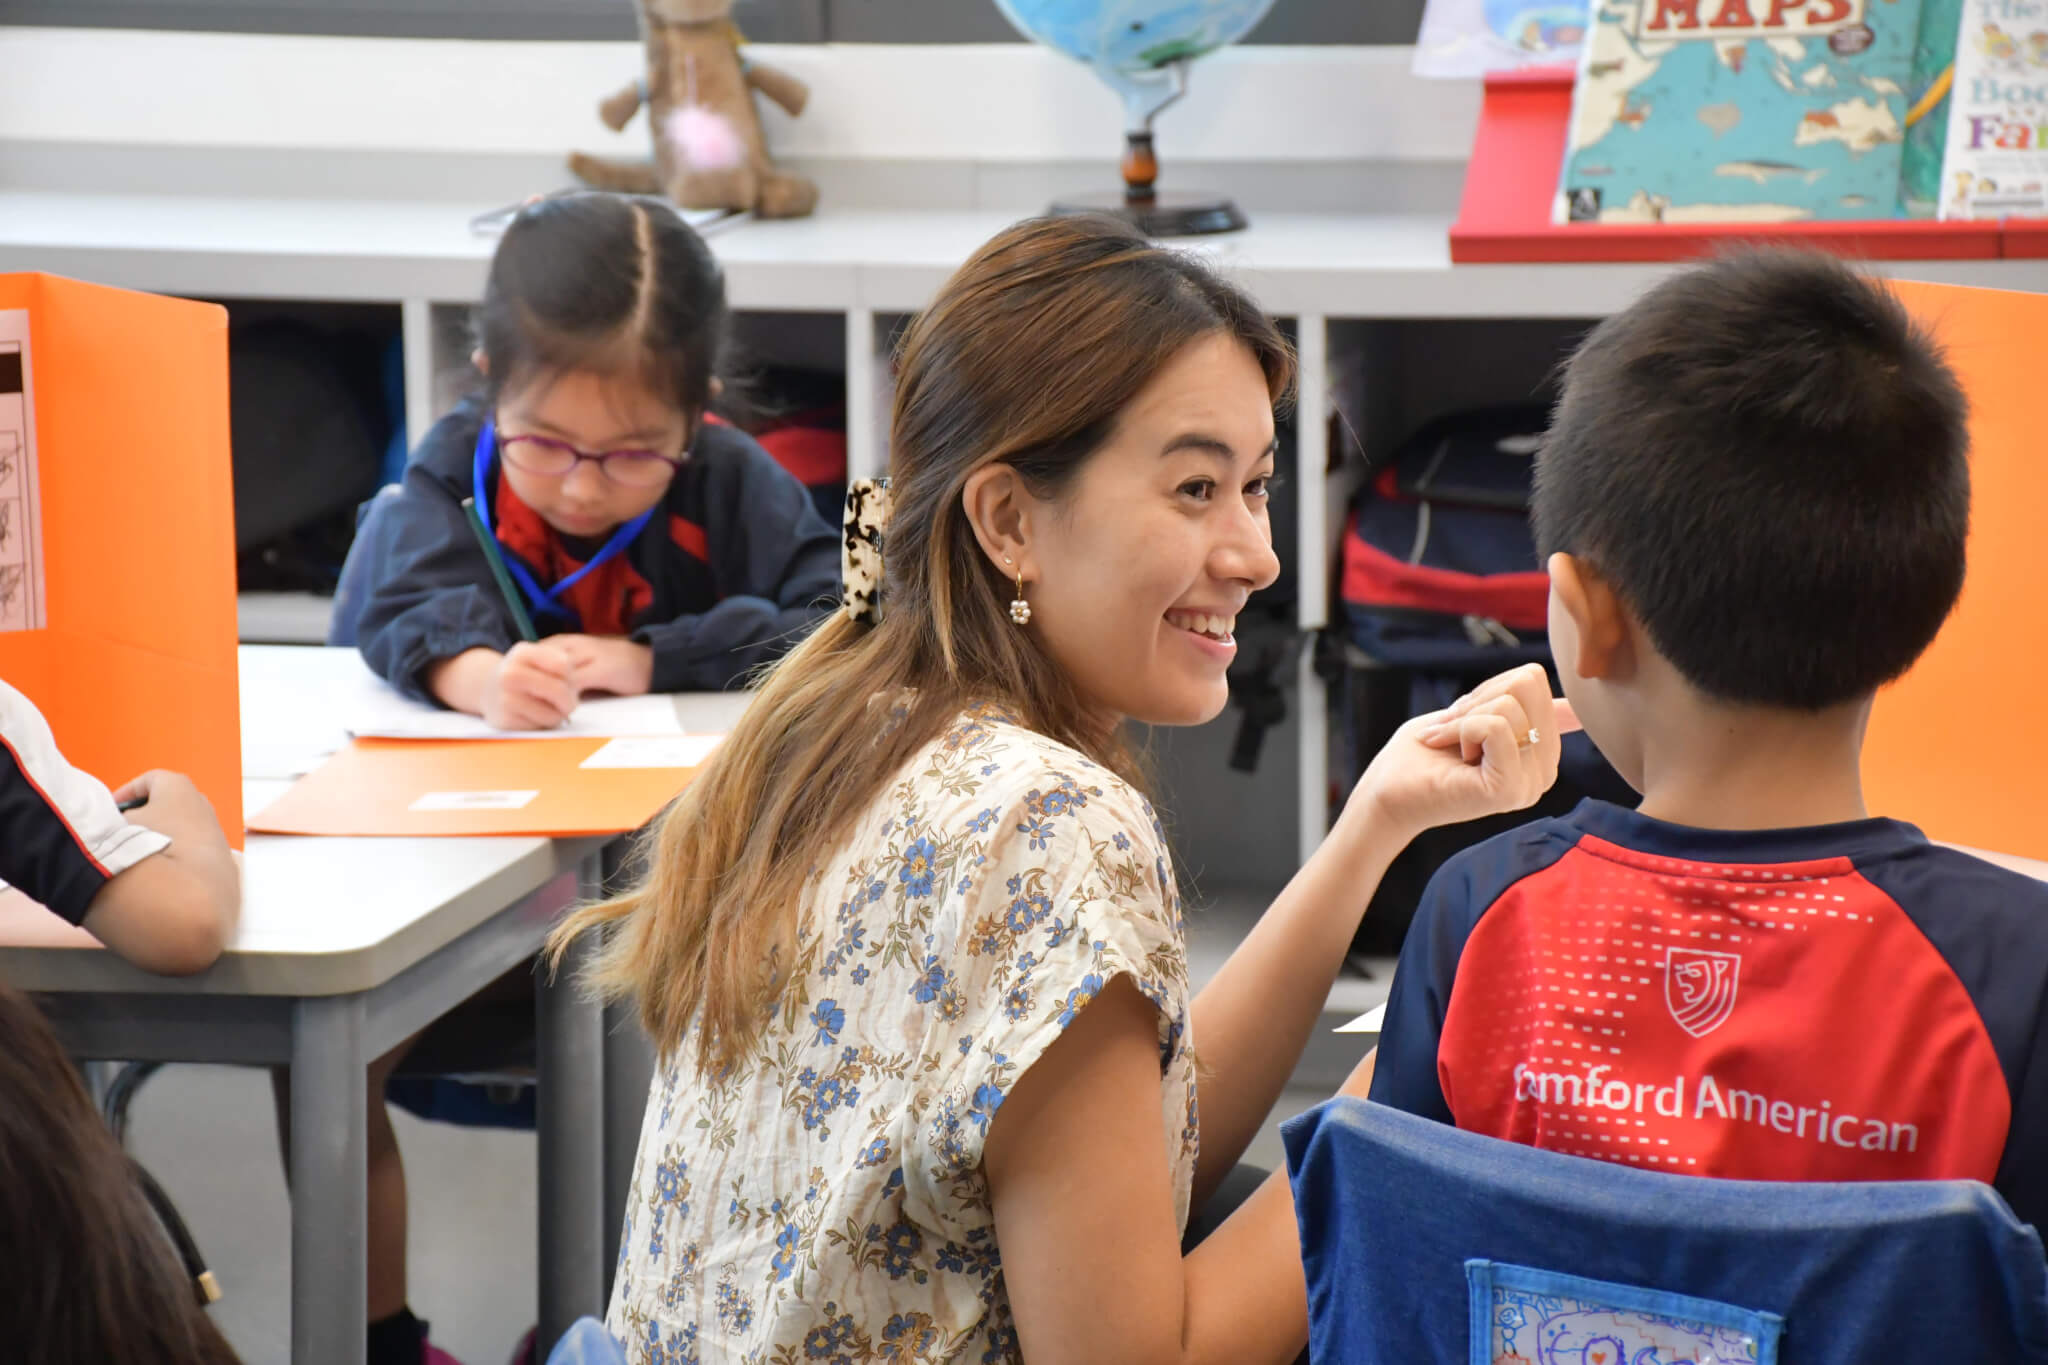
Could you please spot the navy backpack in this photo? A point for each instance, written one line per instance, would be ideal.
(1440, 574)
(1441, 589)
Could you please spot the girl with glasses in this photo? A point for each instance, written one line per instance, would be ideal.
(655, 548)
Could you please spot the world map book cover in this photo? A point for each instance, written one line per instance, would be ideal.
(1700, 111)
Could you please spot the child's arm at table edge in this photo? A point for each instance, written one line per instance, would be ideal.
(161, 890)
(176, 910)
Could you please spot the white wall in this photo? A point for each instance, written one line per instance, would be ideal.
(980, 102)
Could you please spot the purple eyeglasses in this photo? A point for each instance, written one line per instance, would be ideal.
(545, 457)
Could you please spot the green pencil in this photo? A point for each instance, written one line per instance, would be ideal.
(488, 543)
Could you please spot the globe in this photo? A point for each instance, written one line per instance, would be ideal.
(1142, 49)
(1132, 43)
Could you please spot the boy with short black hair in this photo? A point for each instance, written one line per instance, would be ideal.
(1753, 501)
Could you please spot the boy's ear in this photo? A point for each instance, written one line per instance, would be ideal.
(1601, 623)
(481, 361)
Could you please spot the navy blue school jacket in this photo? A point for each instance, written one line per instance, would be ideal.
(735, 567)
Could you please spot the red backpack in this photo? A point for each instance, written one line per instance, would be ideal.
(1439, 570)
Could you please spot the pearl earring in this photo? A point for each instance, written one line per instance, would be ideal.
(1020, 610)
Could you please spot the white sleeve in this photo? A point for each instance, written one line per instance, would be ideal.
(61, 836)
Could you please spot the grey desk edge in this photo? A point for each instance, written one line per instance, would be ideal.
(254, 972)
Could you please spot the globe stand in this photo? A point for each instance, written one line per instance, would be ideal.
(1141, 204)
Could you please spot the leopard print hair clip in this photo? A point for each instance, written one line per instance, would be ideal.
(860, 556)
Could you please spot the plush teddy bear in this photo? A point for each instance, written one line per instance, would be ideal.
(699, 91)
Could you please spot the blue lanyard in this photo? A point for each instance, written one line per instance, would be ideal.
(544, 599)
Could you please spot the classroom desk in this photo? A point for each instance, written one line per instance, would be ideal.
(345, 948)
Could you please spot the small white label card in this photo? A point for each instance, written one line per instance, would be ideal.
(655, 751)
(474, 801)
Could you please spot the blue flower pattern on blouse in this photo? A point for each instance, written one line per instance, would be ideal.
(828, 1019)
(919, 860)
(822, 1199)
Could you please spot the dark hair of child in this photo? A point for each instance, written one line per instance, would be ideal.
(90, 1272)
(1767, 459)
(610, 283)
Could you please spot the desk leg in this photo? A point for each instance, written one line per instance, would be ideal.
(571, 1102)
(330, 1182)
(628, 1076)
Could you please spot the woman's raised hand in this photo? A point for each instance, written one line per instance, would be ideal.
(1493, 750)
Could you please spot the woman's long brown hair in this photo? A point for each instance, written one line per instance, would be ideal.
(86, 1271)
(1028, 355)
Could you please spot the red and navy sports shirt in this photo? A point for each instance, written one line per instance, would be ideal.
(61, 836)
(1845, 1002)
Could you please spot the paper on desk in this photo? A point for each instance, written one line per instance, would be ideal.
(1369, 1022)
(293, 700)
(381, 713)
(655, 751)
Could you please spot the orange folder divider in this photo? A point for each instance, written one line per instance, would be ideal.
(372, 786)
(135, 663)
(1955, 745)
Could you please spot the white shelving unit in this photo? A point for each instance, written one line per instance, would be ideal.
(871, 266)
(242, 166)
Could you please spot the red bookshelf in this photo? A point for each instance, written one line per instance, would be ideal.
(1511, 182)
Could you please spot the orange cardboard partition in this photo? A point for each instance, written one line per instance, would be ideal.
(134, 663)
(1956, 745)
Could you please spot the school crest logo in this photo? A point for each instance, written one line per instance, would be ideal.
(1699, 988)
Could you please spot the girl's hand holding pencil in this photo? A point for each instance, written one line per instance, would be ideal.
(535, 684)
(532, 688)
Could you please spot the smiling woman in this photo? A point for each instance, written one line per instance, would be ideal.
(911, 944)
(1083, 421)
(1137, 574)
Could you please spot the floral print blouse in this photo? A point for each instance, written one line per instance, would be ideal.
(823, 1199)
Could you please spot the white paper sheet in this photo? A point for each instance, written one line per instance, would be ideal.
(21, 512)
(658, 751)
(293, 701)
(381, 713)
(1369, 1022)
(299, 705)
